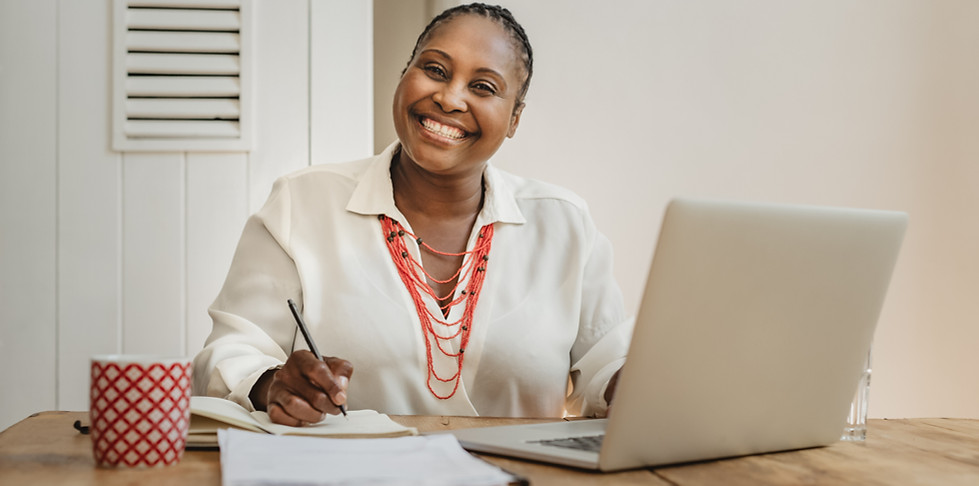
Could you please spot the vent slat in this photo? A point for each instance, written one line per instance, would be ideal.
(213, 42)
(225, 4)
(182, 86)
(204, 109)
(192, 129)
(176, 19)
(165, 63)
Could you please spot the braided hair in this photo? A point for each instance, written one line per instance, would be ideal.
(493, 12)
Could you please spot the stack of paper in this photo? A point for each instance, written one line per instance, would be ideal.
(253, 459)
(209, 414)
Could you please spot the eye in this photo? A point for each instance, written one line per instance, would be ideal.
(435, 71)
(484, 88)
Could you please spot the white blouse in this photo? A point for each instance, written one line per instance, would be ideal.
(548, 332)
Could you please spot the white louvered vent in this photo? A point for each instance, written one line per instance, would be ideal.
(181, 75)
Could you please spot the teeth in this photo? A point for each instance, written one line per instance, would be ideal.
(443, 130)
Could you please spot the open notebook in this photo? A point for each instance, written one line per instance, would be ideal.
(208, 414)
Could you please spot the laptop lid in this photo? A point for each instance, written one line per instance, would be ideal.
(750, 337)
(752, 332)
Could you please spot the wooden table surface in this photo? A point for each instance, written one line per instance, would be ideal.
(46, 449)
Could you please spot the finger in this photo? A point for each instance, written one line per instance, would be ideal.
(314, 381)
(292, 409)
(294, 394)
(331, 376)
(610, 388)
(340, 367)
(341, 370)
(314, 396)
(279, 416)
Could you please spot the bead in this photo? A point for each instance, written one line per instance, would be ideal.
(416, 285)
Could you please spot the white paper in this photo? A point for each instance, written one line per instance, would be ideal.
(252, 459)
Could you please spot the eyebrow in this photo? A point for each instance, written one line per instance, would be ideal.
(478, 70)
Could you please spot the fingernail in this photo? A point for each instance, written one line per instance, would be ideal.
(340, 398)
(344, 381)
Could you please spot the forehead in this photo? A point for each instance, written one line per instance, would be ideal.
(477, 39)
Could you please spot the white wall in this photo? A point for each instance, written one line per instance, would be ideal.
(869, 104)
(106, 252)
(28, 174)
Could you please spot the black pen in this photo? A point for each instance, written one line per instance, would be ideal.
(309, 340)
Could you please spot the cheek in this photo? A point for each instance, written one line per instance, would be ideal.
(405, 95)
(412, 87)
(397, 111)
(401, 94)
(497, 121)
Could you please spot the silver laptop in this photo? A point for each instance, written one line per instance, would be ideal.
(754, 326)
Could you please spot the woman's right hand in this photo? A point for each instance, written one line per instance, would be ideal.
(304, 390)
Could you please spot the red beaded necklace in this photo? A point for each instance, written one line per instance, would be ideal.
(415, 278)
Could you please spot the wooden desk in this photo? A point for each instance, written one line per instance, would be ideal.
(45, 449)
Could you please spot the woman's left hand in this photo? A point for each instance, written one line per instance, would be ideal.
(610, 389)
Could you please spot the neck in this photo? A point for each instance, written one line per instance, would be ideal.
(417, 191)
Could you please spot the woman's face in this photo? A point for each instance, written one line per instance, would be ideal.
(455, 103)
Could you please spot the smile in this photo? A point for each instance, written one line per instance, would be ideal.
(442, 130)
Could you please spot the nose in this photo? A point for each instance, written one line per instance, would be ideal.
(451, 97)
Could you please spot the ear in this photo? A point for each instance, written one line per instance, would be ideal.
(515, 120)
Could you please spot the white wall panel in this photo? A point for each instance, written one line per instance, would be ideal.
(281, 107)
(28, 182)
(153, 277)
(89, 196)
(217, 207)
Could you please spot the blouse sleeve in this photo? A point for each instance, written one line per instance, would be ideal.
(253, 328)
(604, 330)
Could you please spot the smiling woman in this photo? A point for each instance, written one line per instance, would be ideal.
(461, 94)
(452, 287)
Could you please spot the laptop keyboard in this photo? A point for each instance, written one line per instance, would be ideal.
(591, 443)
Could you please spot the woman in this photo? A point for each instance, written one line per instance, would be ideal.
(453, 288)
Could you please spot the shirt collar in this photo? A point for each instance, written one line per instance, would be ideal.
(374, 193)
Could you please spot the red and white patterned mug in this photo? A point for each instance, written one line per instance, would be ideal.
(140, 409)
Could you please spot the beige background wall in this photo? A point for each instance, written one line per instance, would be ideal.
(870, 104)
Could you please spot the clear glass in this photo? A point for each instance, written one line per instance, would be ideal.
(856, 421)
